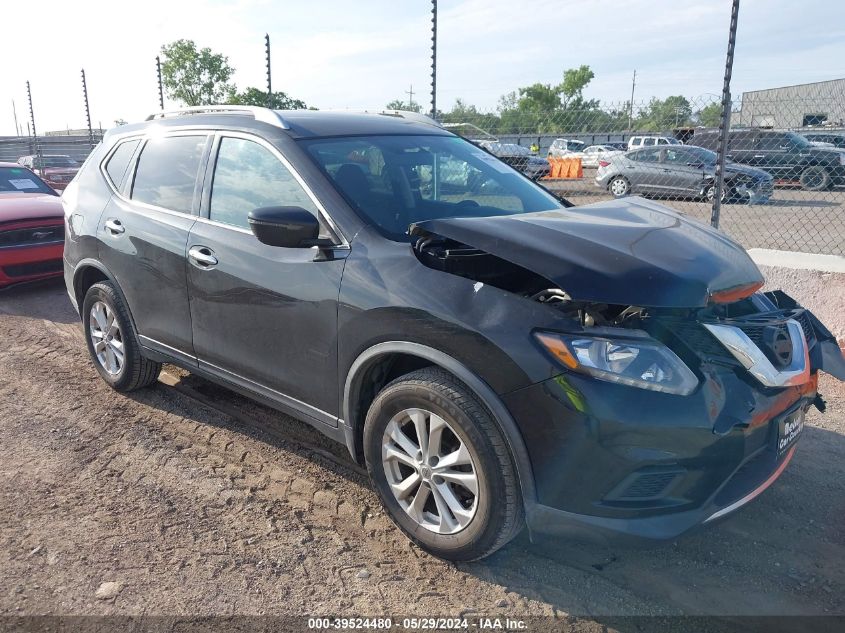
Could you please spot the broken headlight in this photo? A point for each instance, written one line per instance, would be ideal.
(643, 363)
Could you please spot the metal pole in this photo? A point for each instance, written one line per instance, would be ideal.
(87, 110)
(631, 109)
(269, 81)
(15, 113)
(31, 113)
(434, 58)
(725, 122)
(160, 89)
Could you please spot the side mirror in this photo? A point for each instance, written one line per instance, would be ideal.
(289, 227)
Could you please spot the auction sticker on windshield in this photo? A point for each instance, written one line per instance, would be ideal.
(23, 183)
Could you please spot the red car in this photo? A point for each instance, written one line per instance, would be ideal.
(57, 170)
(32, 227)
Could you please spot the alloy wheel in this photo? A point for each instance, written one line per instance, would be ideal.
(106, 338)
(430, 471)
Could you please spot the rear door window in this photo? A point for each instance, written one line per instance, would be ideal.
(167, 170)
(646, 156)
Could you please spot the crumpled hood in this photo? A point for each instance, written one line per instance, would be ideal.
(628, 252)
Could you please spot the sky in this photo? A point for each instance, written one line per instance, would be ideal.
(365, 53)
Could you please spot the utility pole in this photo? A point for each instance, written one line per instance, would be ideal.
(434, 59)
(160, 89)
(31, 113)
(410, 94)
(631, 108)
(269, 82)
(87, 110)
(725, 122)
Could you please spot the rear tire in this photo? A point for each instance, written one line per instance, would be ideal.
(460, 511)
(112, 341)
(619, 187)
(815, 179)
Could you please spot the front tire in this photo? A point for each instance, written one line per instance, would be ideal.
(112, 341)
(441, 467)
(710, 194)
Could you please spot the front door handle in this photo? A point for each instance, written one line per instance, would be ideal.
(114, 226)
(202, 257)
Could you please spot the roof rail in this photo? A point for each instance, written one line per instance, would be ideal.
(264, 115)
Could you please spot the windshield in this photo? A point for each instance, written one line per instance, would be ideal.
(57, 161)
(798, 140)
(19, 180)
(394, 181)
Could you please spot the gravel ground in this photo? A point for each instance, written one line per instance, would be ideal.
(188, 499)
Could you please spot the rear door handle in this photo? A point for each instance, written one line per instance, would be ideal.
(202, 257)
(759, 156)
(114, 226)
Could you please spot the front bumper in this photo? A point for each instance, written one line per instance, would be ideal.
(615, 462)
(30, 263)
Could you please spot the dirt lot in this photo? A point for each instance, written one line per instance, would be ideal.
(226, 507)
(793, 220)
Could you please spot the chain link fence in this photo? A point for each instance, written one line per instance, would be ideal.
(784, 176)
(784, 179)
(56, 159)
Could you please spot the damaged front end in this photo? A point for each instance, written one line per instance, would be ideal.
(681, 387)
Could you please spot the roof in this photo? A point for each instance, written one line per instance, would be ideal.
(314, 123)
(297, 123)
(2, 164)
(804, 85)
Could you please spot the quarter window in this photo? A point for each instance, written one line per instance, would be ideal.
(249, 176)
(119, 161)
(167, 172)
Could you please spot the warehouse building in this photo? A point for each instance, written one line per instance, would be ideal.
(813, 104)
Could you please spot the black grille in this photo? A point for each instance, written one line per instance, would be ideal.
(32, 236)
(37, 268)
(754, 326)
(697, 338)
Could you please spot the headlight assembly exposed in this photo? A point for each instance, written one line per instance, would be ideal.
(643, 363)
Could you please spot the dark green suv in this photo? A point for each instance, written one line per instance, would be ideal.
(787, 156)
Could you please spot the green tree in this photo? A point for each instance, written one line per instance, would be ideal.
(398, 104)
(574, 82)
(664, 114)
(195, 77)
(256, 97)
(710, 115)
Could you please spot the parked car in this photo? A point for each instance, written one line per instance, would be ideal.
(57, 170)
(494, 356)
(594, 153)
(787, 156)
(837, 140)
(566, 148)
(519, 157)
(31, 227)
(682, 170)
(620, 145)
(636, 142)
